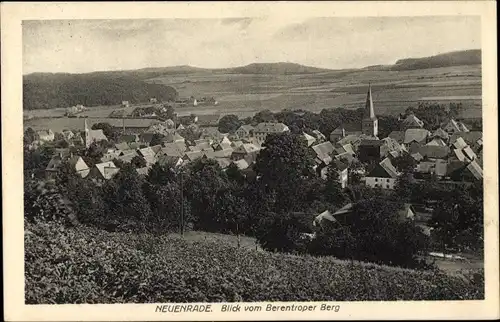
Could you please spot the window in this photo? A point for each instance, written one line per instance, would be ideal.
(376, 180)
(387, 180)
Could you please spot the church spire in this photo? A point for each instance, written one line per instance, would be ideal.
(369, 111)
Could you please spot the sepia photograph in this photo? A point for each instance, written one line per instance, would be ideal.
(300, 162)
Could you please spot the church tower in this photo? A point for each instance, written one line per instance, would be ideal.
(369, 125)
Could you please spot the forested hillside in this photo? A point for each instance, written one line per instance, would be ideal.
(456, 58)
(45, 90)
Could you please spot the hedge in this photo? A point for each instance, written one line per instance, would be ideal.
(87, 265)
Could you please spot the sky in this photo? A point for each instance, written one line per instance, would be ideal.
(80, 46)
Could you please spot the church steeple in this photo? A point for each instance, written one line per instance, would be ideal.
(369, 111)
(369, 125)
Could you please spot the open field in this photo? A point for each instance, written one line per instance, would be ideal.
(247, 94)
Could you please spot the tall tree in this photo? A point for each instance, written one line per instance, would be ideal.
(229, 123)
(284, 165)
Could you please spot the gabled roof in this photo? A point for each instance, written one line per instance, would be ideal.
(469, 137)
(128, 138)
(469, 153)
(436, 142)
(225, 153)
(384, 169)
(165, 160)
(122, 146)
(208, 119)
(417, 156)
(143, 171)
(347, 209)
(399, 136)
(434, 152)
(107, 169)
(245, 127)
(455, 126)
(241, 164)
(459, 143)
(476, 170)
(370, 143)
(193, 155)
(440, 133)
(416, 135)
(171, 149)
(128, 156)
(96, 136)
(460, 155)
(324, 151)
(223, 162)
(180, 127)
(413, 121)
(246, 148)
(236, 144)
(325, 215)
(309, 139)
(268, 127)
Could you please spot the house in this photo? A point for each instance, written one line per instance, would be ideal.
(75, 162)
(67, 135)
(398, 136)
(224, 163)
(224, 153)
(324, 153)
(153, 100)
(173, 137)
(342, 215)
(127, 156)
(416, 135)
(45, 135)
(148, 155)
(437, 142)
(146, 137)
(309, 139)
(172, 150)
(170, 161)
(262, 130)
(225, 143)
(143, 171)
(433, 152)
(242, 164)
(180, 127)
(125, 104)
(192, 155)
(442, 134)
(320, 137)
(384, 175)
(476, 170)
(440, 168)
(425, 169)
(412, 122)
(110, 156)
(187, 119)
(247, 151)
(465, 171)
(344, 148)
(453, 126)
(390, 147)
(471, 138)
(324, 221)
(459, 144)
(344, 130)
(212, 133)
(103, 171)
(92, 136)
(236, 144)
(208, 120)
(369, 150)
(355, 140)
(245, 131)
(123, 146)
(342, 172)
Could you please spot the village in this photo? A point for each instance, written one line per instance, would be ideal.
(450, 154)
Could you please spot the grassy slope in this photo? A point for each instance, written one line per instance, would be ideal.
(85, 265)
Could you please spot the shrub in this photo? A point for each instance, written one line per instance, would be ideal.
(87, 265)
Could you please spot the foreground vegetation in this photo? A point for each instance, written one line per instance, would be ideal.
(89, 265)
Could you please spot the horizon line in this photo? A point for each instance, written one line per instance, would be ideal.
(239, 66)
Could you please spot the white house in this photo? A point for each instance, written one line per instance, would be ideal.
(384, 175)
(262, 130)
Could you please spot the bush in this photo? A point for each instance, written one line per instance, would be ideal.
(87, 265)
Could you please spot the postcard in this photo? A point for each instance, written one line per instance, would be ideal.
(221, 161)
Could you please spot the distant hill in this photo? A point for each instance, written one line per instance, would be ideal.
(456, 58)
(276, 69)
(46, 90)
